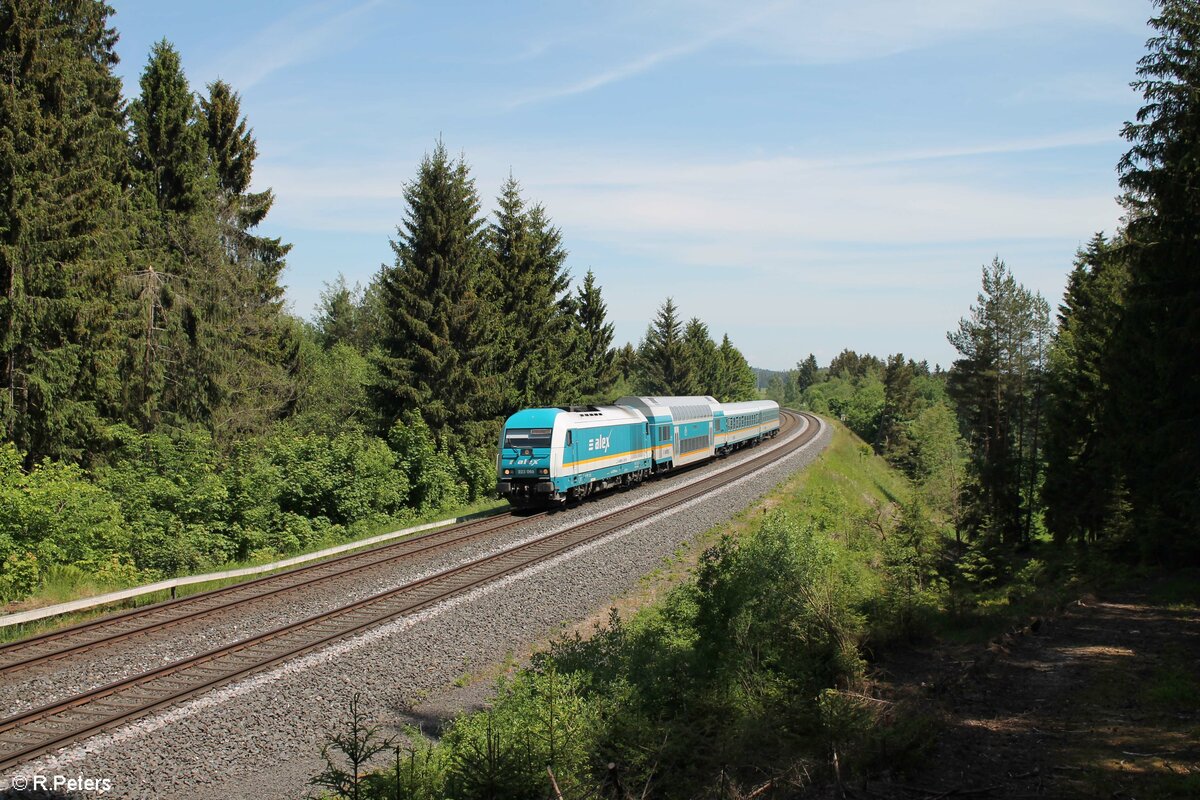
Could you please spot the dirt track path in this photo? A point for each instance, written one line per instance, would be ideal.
(1101, 702)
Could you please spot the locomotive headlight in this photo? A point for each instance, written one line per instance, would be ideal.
(508, 472)
(544, 471)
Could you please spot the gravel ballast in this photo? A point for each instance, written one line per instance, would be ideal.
(261, 736)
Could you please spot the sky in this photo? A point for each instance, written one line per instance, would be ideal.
(804, 176)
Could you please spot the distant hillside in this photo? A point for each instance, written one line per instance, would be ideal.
(764, 375)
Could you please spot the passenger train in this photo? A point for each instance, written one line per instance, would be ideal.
(551, 455)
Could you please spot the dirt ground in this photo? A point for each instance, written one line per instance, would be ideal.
(1101, 700)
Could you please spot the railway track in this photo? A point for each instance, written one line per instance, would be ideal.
(29, 734)
(79, 639)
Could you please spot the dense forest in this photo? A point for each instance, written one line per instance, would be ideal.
(1054, 454)
(163, 411)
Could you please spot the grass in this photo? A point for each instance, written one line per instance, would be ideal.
(64, 584)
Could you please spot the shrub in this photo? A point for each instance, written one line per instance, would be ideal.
(52, 515)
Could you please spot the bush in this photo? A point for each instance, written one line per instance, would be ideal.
(430, 470)
(49, 516)
(171, 491)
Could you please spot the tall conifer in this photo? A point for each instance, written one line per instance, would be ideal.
(528, 282)
(998, 385)
(705, 360)
(1083, 488)
(62, 225)
(178, 261)
(663, 360)
(253, 379)
(1153, 370)
(597, 365)
(437, 344)
(738, 381)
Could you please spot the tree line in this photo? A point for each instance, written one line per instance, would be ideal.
(1084, 427)
(163, 412)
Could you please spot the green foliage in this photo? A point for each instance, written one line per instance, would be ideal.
(432, 478)
(597, 359)
(347, 751)
(664, 363)
(1083, 456)
(52, 515)
(940, 458)
(1152, 371)
(735, 378)
(856, 400)
(998, 385)
(539, 719)
(177, 506)
(334, 389)
(63, 227)
(440, 333)
(545, 347)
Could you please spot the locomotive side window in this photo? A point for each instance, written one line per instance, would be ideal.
(527, 437)
(569, 438)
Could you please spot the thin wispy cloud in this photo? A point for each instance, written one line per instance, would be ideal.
(722, 29)
(307, 34)
(835, 33)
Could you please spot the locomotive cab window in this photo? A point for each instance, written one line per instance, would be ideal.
(569, 438)
(527, 437)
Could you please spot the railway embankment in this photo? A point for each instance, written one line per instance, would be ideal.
(830, 641)
(256, 736)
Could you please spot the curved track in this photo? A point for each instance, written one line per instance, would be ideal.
(29, 734)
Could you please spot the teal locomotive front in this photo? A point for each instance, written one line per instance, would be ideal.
(549, 455)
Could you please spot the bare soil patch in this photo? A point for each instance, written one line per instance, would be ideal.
(1100, 701)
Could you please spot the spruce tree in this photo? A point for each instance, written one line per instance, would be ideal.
(528, 283)
(597, 359)
(254, 377)
(899, 409)
(706, 365)
(665, 367)
(737, 379)
(1153, 371)
(169, 146)
(1083, 486)
(436, 355)
(178, 260)
(806, 373)
(63, 223)
(626, 362)
(337, 313)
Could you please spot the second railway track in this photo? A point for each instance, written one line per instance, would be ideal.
(26, 735)
(104, 631)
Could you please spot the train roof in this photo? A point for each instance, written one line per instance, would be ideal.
(681, 409)
(747, 406)
(579, 416)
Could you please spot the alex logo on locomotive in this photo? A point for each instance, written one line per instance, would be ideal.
(600, 443)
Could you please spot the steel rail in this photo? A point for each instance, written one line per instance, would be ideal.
(107, 630)
(38, 731)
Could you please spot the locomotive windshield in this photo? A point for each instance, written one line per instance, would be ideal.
(527, 437)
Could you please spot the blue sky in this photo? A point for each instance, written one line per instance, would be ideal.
(805, 176)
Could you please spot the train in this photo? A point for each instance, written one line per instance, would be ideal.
(551, 455)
